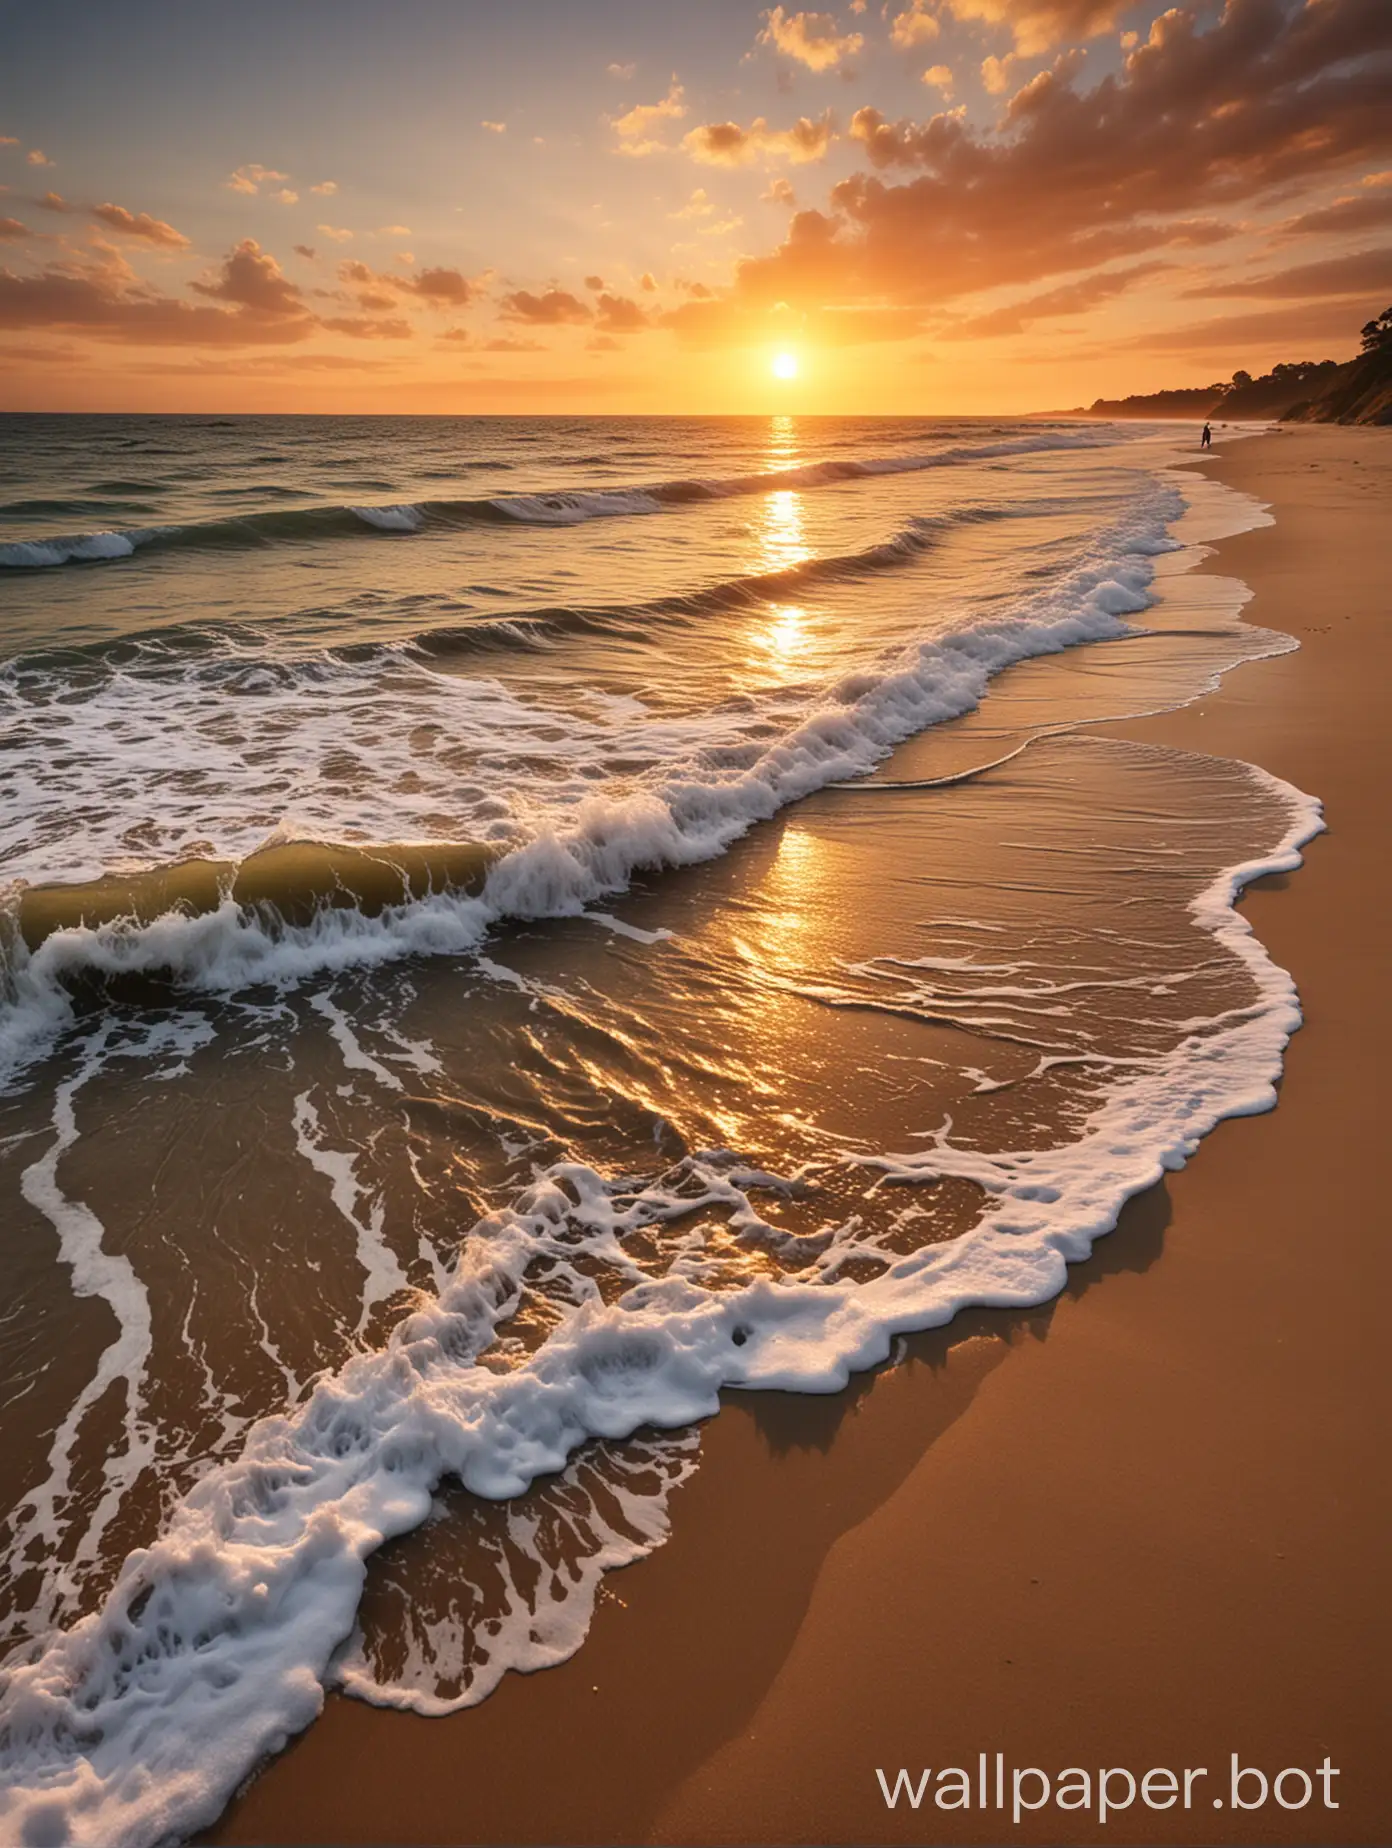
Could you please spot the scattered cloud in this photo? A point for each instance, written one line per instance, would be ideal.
(11, 228)
(252, 177)
(1039, 25)
(55, 202)
(285, 195)
(335, 233)
(365, 328)
(1327, 327)
(914, 26)
(250, 303)
(995, 75)
(251, 278)
(307, 251)
(619, 315)
(1195, 129)
(622, 71)
(502, 344)
(648, 282)
(779, 191)
(142, 226)
(726, 144)
(37, 158)
(699, 205)
(1362, 272)
(325, 189)
(640, 128)
(1072, 298)
(552, 308)
(494, 128)
(939, 77)
(1362, 211)
(813, 39)
(439, 286)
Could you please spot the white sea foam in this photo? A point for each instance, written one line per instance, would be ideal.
(403, 519)
(590, 846)
(84, 548)
(543, 1565)
(135, 1726)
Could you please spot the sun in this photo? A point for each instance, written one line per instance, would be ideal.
(785, 365)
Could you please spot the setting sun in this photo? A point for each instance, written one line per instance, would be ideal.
(785, 365)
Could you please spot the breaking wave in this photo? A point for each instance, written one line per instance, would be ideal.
(288, 525)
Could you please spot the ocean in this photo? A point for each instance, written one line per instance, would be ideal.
(511, 928)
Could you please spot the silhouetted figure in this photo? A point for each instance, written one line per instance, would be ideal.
(1207, 438)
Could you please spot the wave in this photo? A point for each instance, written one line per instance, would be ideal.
(693, 815)
(569, 508)
(136, 1725)
(238, 646)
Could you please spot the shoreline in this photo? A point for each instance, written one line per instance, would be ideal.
(994, 1433)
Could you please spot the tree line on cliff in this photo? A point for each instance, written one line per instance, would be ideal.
(1305, 391)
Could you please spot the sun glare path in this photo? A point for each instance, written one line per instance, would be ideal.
(785, 365)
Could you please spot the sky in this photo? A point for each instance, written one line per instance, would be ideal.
(613, 206)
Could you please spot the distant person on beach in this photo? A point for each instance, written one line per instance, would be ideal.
(1207, 438)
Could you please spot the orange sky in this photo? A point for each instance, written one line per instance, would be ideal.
(933, 206)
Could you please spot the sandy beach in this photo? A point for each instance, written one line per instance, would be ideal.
(1141, 1526)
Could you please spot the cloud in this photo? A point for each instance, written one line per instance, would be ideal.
(1331, 325)
(502, 344)
(1365, 211)
(699, 205)
(141, 226)
(1363, 272)
(813, 39)
(995, 75)
(1039, 25)
(55, 202)
(365, 328)
(939, 77)
(9, 141)
(552, 308)
(494, 128)
(619, 315)
(726, 144)
(285, 196)
(307, 251)
(335, 233)
(11, 228)
(325, 188)
(37, 158)
(251, 278)
(648, 282)
(914, 26)
(622, 71)
(1071, 298)
(40, 355)
(439, 286)
(639, 129)
(252, 177)
(377, 289)
(251, 304)
(1169, 150)
(779, 191)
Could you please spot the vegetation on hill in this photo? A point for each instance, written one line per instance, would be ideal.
(1361, 391)
(1307, 391)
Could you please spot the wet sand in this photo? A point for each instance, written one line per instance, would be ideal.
(1144, 1525)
